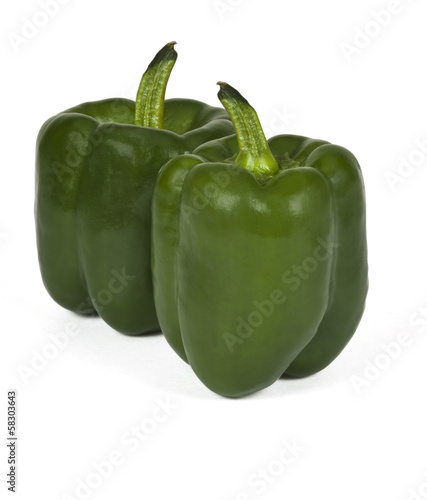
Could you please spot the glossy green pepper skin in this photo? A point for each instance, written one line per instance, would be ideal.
(96, 166)
(259, 254)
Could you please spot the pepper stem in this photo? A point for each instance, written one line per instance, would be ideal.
(255, 154)
(152, 89)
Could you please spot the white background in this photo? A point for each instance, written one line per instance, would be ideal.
(357, 429)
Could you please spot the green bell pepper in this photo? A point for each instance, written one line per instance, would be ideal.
(96, 165)
(259, 254)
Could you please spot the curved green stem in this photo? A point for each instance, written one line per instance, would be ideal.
(152, 89)
(255, 154)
